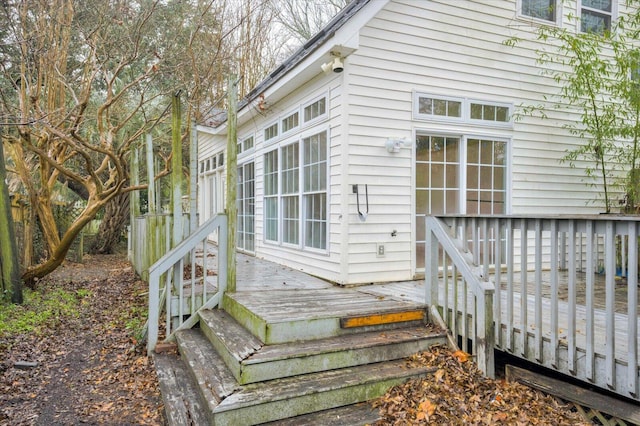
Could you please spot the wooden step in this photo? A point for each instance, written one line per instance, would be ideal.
(294, 396)
(281, 316)
(206, 368)
(403, 316)
(360, 414)
(250, 361)
(182, 399)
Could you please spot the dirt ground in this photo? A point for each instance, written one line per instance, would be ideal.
(89, 369)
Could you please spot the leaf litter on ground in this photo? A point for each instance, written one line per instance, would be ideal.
(457, 393)
(89, 366)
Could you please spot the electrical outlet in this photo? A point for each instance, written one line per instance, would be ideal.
(379, 250)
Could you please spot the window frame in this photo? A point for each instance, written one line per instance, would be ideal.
(275, 196)
(465, 117)
(433, 117)
(273, 125)
(462, 161)
(557, 12)
(481, 122)
(242, 150)
(284, 132)
(613, 14)
(301, 196)
(319, 117)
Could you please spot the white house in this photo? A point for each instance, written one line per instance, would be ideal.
(415, 115)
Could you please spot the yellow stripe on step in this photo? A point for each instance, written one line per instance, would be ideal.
(378, 319)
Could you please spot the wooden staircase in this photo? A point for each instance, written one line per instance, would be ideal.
(261, 362)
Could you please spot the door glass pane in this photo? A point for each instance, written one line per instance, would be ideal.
(437, 202)
(422, 148)
(437, 176)
(422, 201)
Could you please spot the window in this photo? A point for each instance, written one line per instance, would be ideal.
(295, 193)
(545, 10)
(429, 107)
(437, 174)
(244, 145)
(290, 122)
(488, 112)
(486, 173)
(271, 132)
(315, 190)
(315, 109)
(596, 16)
(247, 143)
(439, 107)
(290, 190)
(246, 208)
(458, 175)
(271, 195)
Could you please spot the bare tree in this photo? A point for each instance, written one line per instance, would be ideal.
(82, 81)
(302, 19)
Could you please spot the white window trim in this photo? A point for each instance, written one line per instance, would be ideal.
(531, 19)
(614, 13)
(492, 123)
(319, 118)
(463, 170)
(293, 130)
(442, 118)
(300, 195)
(465, 118)
(277, 240)
(244, 153)
(276, 137)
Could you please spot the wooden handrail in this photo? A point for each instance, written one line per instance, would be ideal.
(174, 260)
(481, 287)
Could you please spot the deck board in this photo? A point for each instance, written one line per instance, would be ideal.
(288, 305)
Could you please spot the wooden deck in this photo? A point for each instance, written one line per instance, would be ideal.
(414, 291)
(258, 275)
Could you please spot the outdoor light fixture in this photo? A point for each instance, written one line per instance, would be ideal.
(334, 65)
(393, 145)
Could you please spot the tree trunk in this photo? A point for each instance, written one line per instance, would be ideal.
(116, 215)
(9, 265)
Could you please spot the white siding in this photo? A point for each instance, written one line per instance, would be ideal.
(456, 49)
(448, 48)
(325, 264)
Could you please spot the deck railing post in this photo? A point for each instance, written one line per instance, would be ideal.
(485, 333)
(632, 310)
(431, 266)
(154, 312)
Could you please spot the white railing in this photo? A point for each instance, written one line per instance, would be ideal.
(460, 278)
(188, 293)
(566, 290)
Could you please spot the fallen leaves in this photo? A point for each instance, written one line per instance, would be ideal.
(461, 356)
(89, 368)
(458, 394)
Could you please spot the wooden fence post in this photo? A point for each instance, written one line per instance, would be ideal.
(176, 170)
(232, 181)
